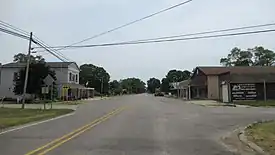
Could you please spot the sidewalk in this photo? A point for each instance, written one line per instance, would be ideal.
(206, 103)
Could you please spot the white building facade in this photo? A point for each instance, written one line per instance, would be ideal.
(67, 74)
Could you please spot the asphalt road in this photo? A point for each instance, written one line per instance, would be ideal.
(141, 125)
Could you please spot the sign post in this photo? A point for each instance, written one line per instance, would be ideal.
(45, 90)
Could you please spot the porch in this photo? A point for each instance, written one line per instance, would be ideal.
(70, 91)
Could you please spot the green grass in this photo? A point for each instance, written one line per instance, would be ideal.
(263, 135)
(12, 117)
(270, 103)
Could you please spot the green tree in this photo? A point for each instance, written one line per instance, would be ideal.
(262, 56)
(174, 76)
(22, 58)
(133, 85)
(165, 87)
(177, 75)
(37, 73)
(95, 77)
(238, 57)
(152, 84)
(115, 87)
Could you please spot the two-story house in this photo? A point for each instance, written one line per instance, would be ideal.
(67, 74)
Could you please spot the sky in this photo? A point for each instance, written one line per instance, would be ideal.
(62, 22)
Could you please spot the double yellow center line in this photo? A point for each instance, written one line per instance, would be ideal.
(59, 141)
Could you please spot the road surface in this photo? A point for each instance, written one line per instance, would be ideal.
(134, 125)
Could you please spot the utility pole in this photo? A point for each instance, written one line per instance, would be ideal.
(101, 87)
(27, 72)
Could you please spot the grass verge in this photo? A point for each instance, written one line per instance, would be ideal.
(12, 117)
(270, 103)
(263, 134)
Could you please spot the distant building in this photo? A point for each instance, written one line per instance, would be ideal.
(230, 83)
(67, 74)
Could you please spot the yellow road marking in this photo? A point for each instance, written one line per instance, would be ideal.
(77, 134)
(97, 121)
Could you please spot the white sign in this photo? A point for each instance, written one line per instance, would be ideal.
(45, 90)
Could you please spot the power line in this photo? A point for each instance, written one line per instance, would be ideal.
(24, 34)
(127, 24)
(14, 33)
(52, 50)
(170, 40)
(43, 46)
(206, 32)
(5, 24)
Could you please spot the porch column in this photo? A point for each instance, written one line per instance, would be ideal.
(198, 92)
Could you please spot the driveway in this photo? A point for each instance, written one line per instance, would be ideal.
(142, 125)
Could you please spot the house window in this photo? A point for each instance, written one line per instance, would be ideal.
(76, 78)
(197, 72)
(70, 77)
(73, 78)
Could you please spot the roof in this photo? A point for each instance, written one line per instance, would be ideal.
(238, 70)
(51, 64)
(59, 64)
(14, 65)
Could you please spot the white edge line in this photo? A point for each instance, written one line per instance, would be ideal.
(36, 123)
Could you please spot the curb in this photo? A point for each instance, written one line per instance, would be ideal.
(243, 138)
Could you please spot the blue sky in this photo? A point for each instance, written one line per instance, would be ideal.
(62, 22)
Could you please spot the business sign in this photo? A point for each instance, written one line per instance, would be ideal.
(243, 91)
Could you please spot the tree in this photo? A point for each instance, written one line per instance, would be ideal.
(37, 73)
(177, 75)
(133, 85)
(115, 87)
(238, 57)
(95, 77)
(174, 76)
(165, 87)
(22, 58)
(263, 57)
(152, 84)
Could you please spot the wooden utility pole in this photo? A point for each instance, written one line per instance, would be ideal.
(27, 73)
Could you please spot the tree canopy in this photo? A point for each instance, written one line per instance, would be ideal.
(174, 76)
(153, 84)
(115, 87)
(22, 58)
(37, 73)
(94, 76)
(133, 85)
(257, 56)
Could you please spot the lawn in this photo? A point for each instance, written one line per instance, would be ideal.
(269, 103)
(12, 117)
(263, 135)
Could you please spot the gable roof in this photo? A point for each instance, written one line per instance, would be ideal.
(59, 64)
(237, 70)
(50, 64)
